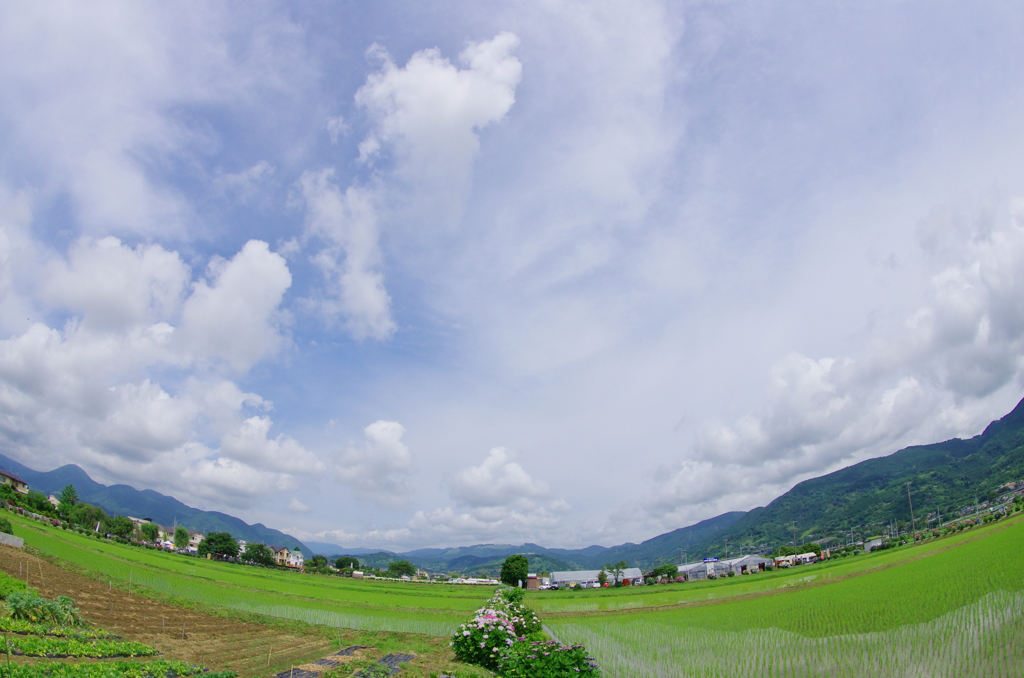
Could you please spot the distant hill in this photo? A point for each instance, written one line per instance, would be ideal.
(943, 477)
(127, 501)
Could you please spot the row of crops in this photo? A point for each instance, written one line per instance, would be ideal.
(34, 626)
(956, 609)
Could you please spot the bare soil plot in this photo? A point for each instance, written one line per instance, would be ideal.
(218, 642)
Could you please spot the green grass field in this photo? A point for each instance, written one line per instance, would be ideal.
(952, 607)
(948, 607)
(434, 609)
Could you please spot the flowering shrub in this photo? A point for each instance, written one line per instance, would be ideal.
(546, 659)
(478, 640)
(525, 621)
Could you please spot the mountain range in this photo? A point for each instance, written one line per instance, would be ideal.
(940, 479)
(127, 501)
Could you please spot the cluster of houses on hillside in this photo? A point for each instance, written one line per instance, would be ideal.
(283, 556)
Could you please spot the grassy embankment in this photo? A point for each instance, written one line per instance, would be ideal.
(327, 600)
(948, 607)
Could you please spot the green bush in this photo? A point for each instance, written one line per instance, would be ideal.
(546, 659)
(5, 526)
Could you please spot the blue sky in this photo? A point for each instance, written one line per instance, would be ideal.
(400, 275)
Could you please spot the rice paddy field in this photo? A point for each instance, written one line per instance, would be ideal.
(433, 609)
(951, 607)
(948, 607)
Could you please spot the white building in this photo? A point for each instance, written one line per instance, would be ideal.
(588, 578)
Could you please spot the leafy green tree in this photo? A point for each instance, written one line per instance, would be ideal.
(401, 568)
(180, 537)
(810, 548)
(87, 516)
(220, 544)
(347, 563)
(514, 570)
(66, 500)
(616, 570)
(668, 570)
(121, 526)
(259, 554)
(150, 531)
(37, 501)
(602, 577)
(783, 551)
(318, 564)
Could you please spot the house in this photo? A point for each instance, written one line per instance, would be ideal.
(195, 538)
(532, 582)
(285, 557)
(12, 479)
(54, 501)
(281, 554)
(589, 578)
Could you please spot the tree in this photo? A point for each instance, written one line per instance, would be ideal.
(87, 516)
(180, 537)
(346, 563)
(667, 570)
(258, 554)
(602, 577)
(121, 527)
(66, 500)
(220, 544)
(514, 570)
(617, 569)
(401, 568)
(38, 502)
(318, 564)
(150, 531)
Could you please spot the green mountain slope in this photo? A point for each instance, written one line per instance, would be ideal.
(865, 497)
(127, 501)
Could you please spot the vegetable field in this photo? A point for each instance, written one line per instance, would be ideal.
(952, 607)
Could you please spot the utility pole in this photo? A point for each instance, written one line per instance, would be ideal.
(913, 524)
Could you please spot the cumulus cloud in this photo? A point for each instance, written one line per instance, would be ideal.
(350, 262)
(80, 393)
(249, 443)
(378, 470)
(427, 116)
(234, 317)
(114, 287)
(936, 375)
(497, 498)
(429, 111)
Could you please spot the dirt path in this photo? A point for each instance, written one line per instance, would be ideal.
(217, 642)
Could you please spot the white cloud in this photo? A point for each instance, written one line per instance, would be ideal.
(336, 127)
(249, 443)
(937, 375)
(102, 91)
(378, 470)
(115, 287)
(297, 506)
(347, 222)
(235, 318)
(429, 111)
(496, 499)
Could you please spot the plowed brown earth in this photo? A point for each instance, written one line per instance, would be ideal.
(210, 640)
